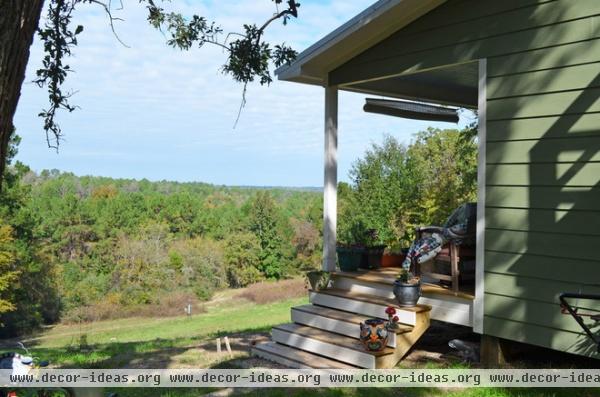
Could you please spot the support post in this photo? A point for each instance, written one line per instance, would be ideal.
(478, 307)
(492, 352)
(330, 181)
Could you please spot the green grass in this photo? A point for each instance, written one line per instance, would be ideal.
(143, 342)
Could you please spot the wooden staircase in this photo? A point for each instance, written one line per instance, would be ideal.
(324, 334)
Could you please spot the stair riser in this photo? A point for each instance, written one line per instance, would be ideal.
(278, 359)
(333, 325)
(359, 307)
(363, 287)
(449, 312)
(353, 357)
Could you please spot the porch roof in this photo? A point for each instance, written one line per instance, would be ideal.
(369, 27)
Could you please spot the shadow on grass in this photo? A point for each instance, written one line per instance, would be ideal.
(156, 353)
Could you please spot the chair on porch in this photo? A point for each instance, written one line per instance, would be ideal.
(455, 262)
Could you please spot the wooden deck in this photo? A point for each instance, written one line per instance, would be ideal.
(387, 275)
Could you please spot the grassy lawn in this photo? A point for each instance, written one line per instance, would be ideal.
(161, 342)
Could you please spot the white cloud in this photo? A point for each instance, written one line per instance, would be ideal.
(156, 112)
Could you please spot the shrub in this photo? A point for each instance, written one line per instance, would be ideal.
(168, 305)
(268, 291)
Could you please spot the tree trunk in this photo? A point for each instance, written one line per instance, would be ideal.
(18, 22)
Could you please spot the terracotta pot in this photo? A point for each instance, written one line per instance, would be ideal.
(392, 260)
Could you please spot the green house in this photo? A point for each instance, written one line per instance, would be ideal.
(531, 68)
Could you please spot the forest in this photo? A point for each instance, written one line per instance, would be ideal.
(83, 248)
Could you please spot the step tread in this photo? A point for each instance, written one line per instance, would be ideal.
(300, 356)
(330, 337)
(387, 277)
(372, 299)
(341, 315)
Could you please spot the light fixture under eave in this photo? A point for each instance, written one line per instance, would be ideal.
(411, 110)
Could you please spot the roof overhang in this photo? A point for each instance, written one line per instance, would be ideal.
(368, 28)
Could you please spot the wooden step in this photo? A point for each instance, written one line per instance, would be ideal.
(364, 304)
(294, 358)
(338, 321)
(445, 304)
(343, 348)
(385, 278)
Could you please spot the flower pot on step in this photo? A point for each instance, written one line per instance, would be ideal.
(407, 293)
(374, 334)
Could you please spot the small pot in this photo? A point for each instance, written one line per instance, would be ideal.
(317, 280)
(372, 257)
(349, 258)
(374, 334)
(407, 294)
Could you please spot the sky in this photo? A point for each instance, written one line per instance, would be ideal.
(150, 111)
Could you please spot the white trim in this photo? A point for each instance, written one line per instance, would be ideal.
(478, 306)
(330, 179)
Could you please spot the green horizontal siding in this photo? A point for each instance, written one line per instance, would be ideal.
(543, 148)
(538, 266)
(544, 220)
(494, 35)
(561, 126)
(544, 151)
(578, 174)
(532, 312)
(576, 77)
(545, 58)
(533, 289)
(566, 246)
(553, 338)
(581, 101)
(544, 197)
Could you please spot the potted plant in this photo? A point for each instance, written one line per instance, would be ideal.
(349, 257)
(393, 320)
(407, 289)
(318, 279)
(350, 249)
(373, 250)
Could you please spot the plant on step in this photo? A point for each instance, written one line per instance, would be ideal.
(407, 289)
(392, 318)
(318, 279)
(407, 277)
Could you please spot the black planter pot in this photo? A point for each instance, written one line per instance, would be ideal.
(372, 257)
(407, 294)
(349, 258)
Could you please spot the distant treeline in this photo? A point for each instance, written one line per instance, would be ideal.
(91, 247)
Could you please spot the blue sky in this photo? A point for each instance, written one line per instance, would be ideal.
(153, 112)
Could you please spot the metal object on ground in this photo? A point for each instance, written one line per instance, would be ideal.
(567, 308)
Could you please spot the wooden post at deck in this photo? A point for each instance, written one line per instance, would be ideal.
(330, 182)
